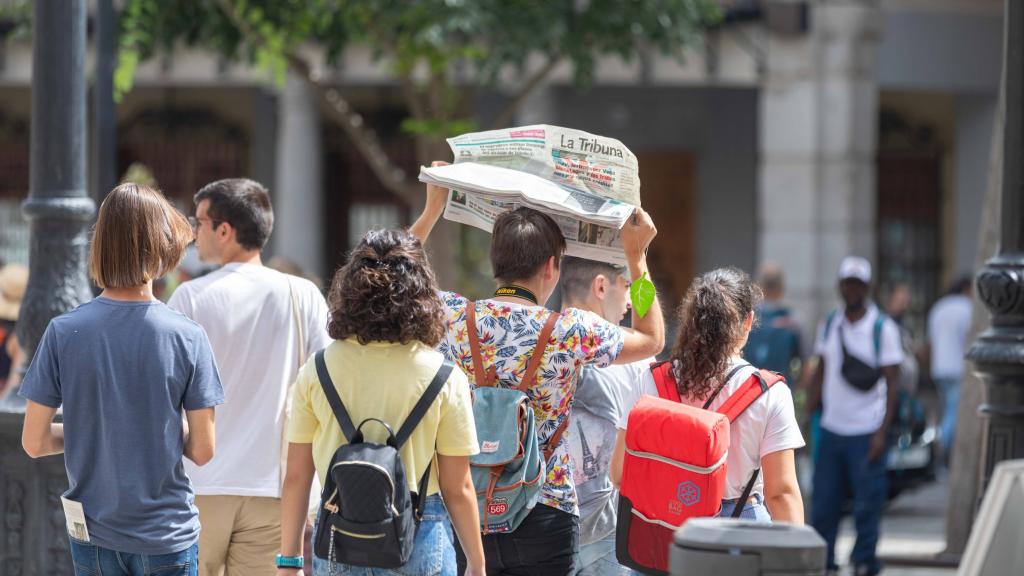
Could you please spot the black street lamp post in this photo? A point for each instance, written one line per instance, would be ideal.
(998, 353)
(59, 211)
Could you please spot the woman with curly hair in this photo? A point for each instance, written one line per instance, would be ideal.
(386, 319)
(715, 318)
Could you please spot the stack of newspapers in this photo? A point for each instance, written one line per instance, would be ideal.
(588, 184)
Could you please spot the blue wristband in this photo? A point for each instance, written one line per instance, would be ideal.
(290, 561)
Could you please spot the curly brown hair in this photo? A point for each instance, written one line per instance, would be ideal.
(710, 327)
(386, 292)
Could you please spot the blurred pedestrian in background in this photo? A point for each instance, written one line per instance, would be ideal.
(774, 343)
(13, 280)
(949, 323)
(860, 352)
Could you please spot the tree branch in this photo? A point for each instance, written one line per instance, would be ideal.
(390, 175)
(510, 109)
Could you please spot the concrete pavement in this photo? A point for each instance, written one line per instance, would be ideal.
(913, 526)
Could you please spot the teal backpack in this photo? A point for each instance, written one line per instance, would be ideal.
(509, 470)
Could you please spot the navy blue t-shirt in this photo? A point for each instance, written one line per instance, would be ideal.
(124, 371)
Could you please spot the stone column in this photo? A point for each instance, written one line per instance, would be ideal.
(298, 190)
(818, 117)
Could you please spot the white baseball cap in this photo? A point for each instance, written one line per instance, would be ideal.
(856, 268)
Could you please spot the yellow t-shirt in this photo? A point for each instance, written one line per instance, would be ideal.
(384, 380)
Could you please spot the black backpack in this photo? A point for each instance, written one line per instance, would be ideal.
(368, 517)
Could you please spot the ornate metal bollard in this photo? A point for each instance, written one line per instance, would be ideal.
(998, 354)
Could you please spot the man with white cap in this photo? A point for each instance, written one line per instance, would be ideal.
(859, 352)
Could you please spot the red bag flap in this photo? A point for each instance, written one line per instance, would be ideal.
(677, 432)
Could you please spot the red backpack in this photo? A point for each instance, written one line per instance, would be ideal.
(674, 467)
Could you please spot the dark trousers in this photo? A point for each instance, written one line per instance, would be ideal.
(841, 471)
(544, 544)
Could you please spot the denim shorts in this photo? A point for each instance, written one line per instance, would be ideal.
(433, 552)
(90, 560)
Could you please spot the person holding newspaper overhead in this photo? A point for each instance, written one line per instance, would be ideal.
(511, 341)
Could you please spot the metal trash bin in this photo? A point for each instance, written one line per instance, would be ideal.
(742, 548)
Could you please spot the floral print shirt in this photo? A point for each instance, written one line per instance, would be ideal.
(508, 337)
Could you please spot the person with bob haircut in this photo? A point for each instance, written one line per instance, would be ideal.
(145, 372)
(715, 318)
(526, 253)
(386, 320)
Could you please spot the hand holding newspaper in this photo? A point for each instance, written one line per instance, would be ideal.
(588, 184)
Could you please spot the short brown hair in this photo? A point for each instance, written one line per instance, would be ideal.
(245, 205)
(386, 292)
(523, 241)
(578, 276)
(138, 237)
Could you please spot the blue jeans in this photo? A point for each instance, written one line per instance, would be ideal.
(755, 511)
(92, 560)
(843, 471)
(433, 552)
(949, 388)
(598, 559)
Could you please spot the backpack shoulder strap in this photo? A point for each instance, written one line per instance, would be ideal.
(876, 335)
(344, 420)
(529, 376)
(756, 385)
(481, 377)
(667, 389)
(737, 510)
(555, 439)
(722, 386)
(423, 404)
(414, 417)
(828, 324)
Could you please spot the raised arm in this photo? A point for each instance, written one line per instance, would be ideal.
(647, 337)
(437, 197)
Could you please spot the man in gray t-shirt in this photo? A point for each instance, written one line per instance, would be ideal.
(600, 288)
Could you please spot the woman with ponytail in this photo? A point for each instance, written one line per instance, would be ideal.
(386, 319)
(715, 317)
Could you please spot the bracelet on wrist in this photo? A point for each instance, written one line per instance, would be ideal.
(290, 561)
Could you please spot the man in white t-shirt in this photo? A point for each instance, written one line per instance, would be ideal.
(262, 325)
(603, 289)
(860, 352)
(949, 323)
